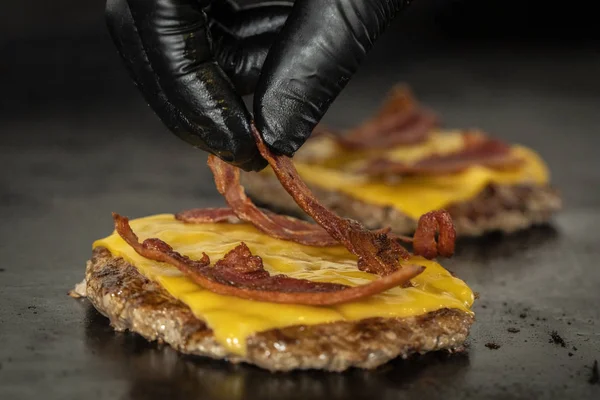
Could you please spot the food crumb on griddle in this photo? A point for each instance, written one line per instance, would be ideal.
(514, 330)
(574, 348)
(595, 378)
(523, 315)
(570, 354)
(2, 270)
(557, 339)
(492, 346)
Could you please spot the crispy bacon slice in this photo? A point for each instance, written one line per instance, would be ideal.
(400, 121)
(205, 215)
(486, 152)
(296, 228)
(242, 274)
(208, 215)
(377, 253)
(424, 239)
(435, 235)
(227, 179)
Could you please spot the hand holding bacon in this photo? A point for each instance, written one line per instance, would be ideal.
(242, 274)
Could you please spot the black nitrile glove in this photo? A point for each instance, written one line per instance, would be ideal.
(193, 59)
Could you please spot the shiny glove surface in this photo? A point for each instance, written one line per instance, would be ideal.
(194, 59)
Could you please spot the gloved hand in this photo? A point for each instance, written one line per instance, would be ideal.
(193, 59)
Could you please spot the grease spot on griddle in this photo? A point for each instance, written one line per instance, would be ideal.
(557, 339)
(492, 346)
(595, 378)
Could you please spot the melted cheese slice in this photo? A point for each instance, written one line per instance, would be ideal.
(233, 319)
(332, 167)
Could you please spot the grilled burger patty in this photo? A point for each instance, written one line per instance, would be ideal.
(505, 208)
(132, 302)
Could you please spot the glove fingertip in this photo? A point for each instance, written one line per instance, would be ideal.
(252, 165)
(257, 165)
(284, 122)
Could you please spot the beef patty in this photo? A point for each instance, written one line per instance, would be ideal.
(505, 208)
(132, 302)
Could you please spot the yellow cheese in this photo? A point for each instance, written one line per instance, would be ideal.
(233, 319)
(414, 196)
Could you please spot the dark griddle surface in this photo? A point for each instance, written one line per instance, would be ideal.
(66, 164)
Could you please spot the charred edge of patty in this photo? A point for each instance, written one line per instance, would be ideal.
(132, 302)
(505, 208)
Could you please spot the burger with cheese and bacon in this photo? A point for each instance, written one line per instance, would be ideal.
(247, 285)
(401, 164)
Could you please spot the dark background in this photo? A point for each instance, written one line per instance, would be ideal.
(78, 142)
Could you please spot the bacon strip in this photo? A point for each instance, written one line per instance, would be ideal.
(377, 253)
(424, 239)
(425, 242)
(208, 215)
(293, 229)
(227, 179)
(487, 152)
(275, 225)
(399, 122)
(243, 275)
